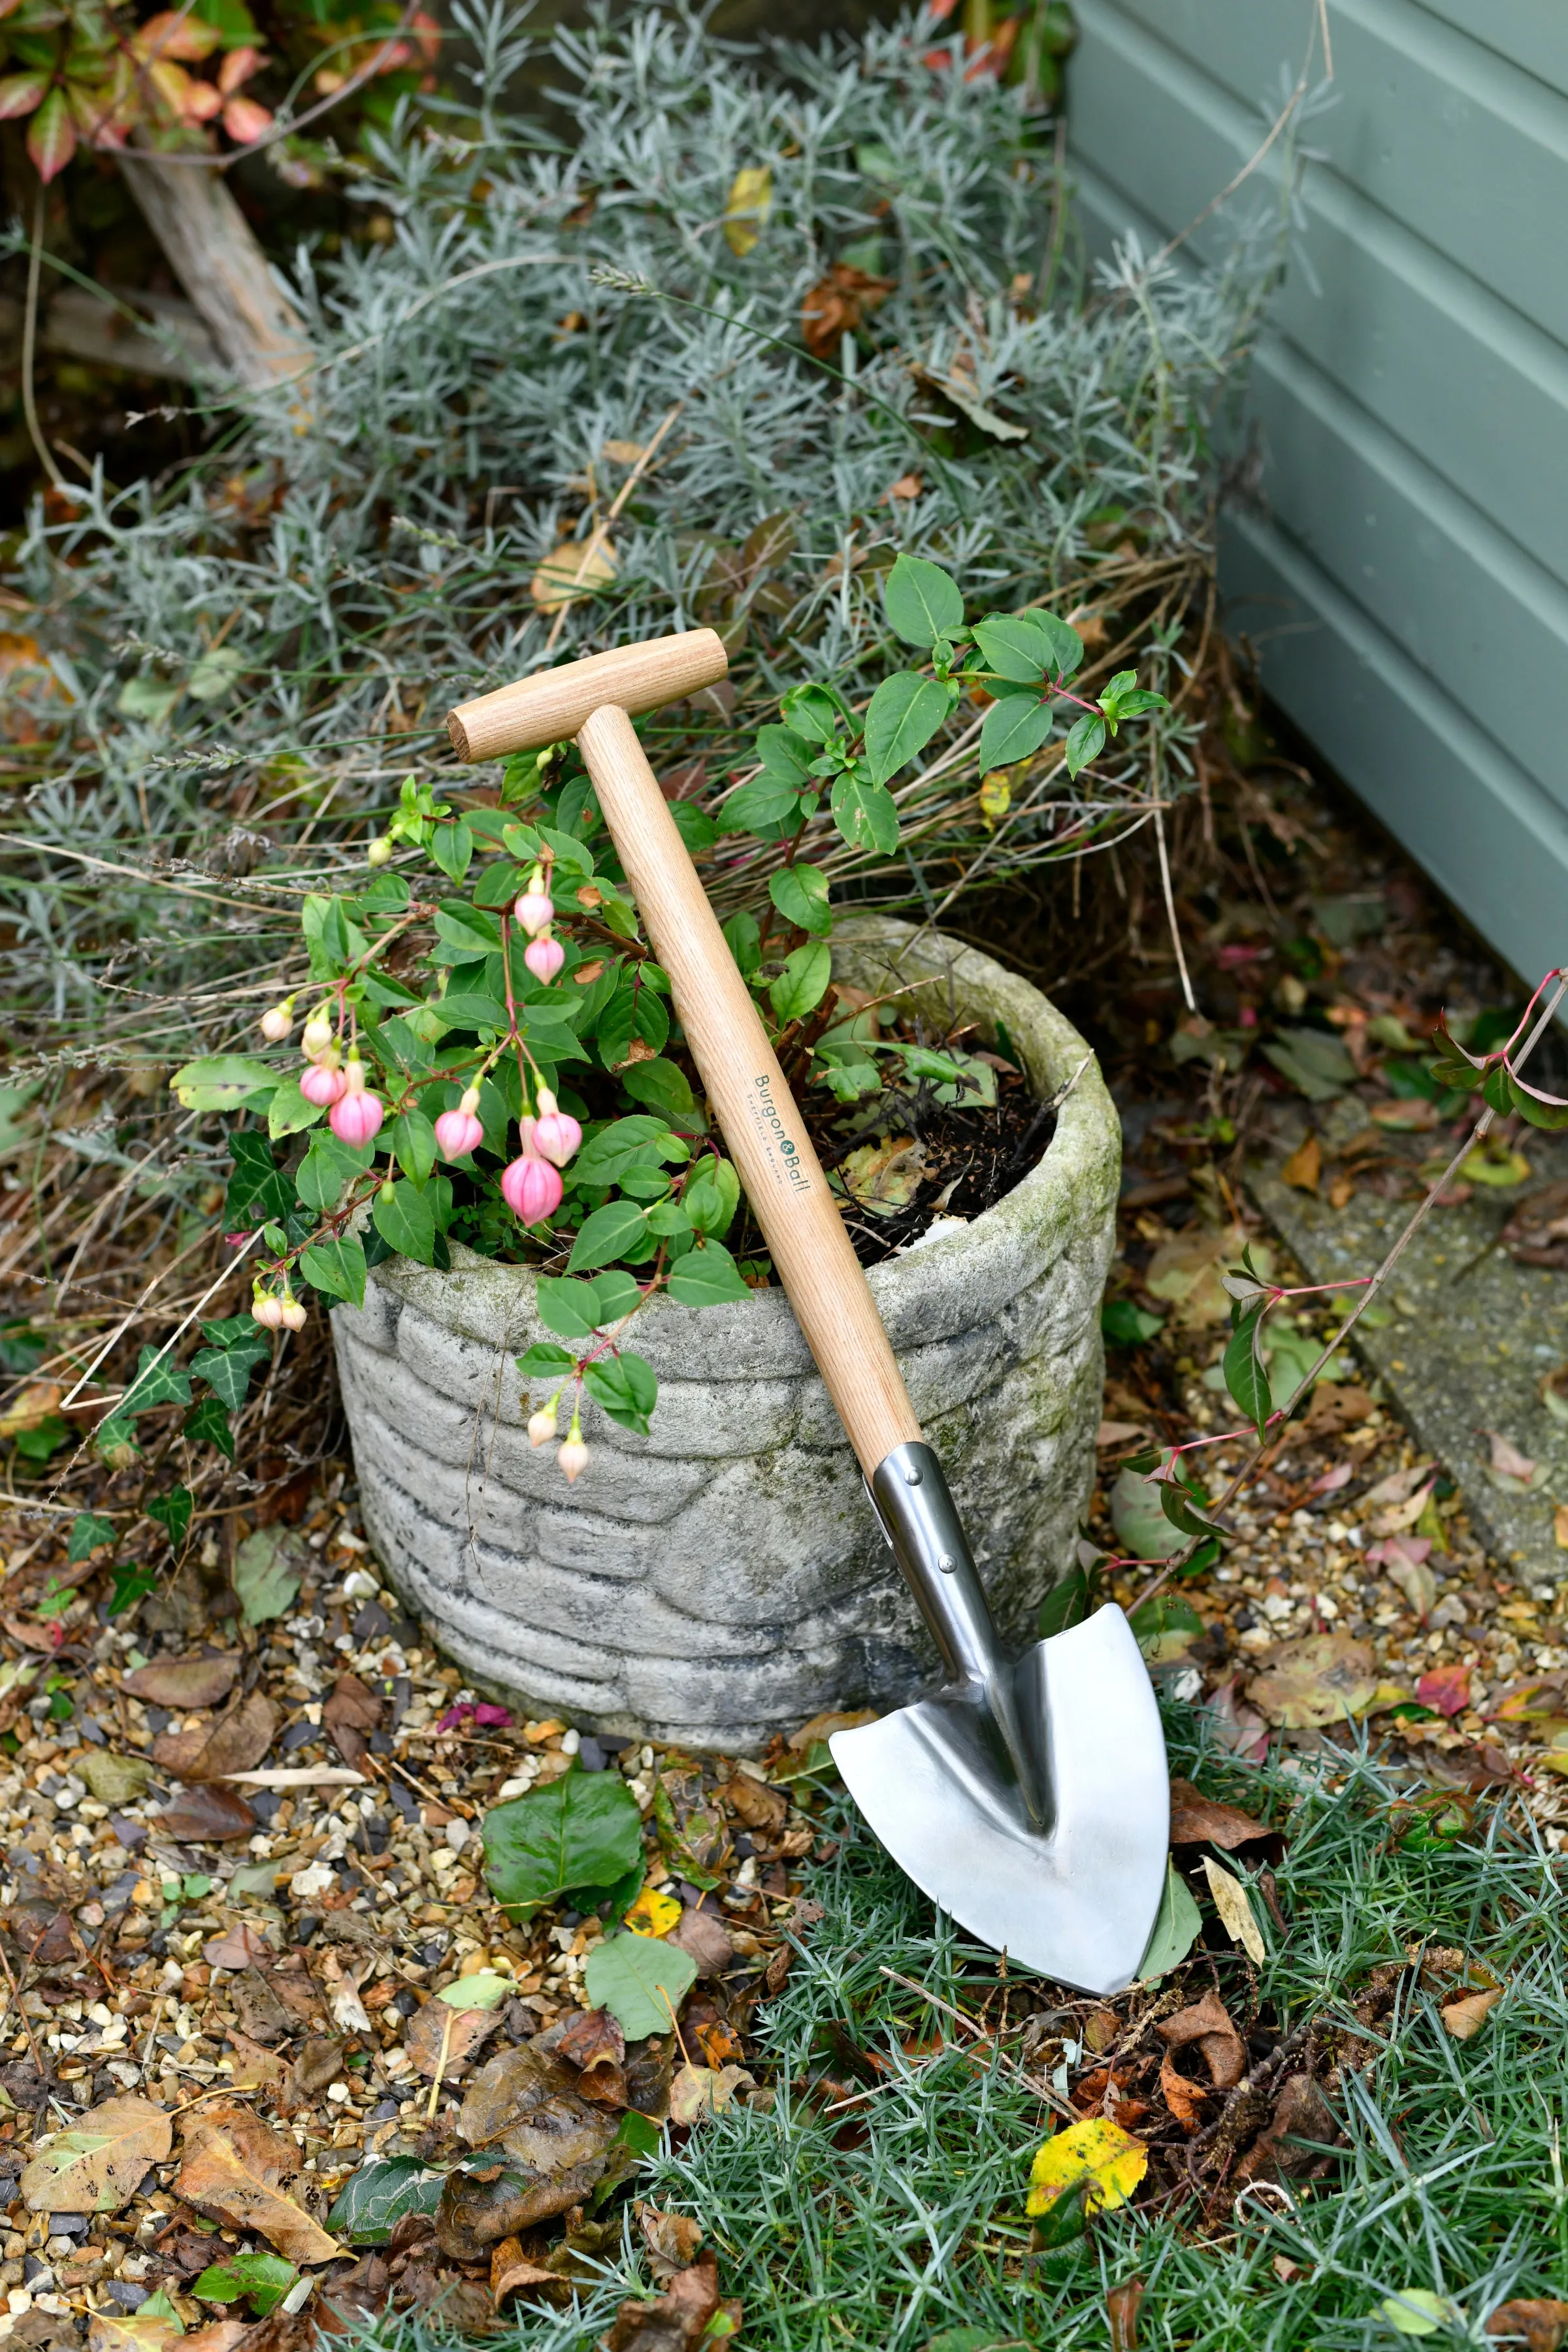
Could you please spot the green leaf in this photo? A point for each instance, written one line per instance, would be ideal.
(227, 1370)
(257, 1185)
(866, 814)
(88, 1529)
(1178, 1922)
(696, 827)
(1543, 1111)
(172, 1513)
(624, 1144)
(744, 941)
(207, 1423)
(467, 931)
(406, 1220)
(640, 1981)
(711, 1196)
(765, 800)
(922, 602)
(289, 1111)
(625, 1386)
(266, 1581)
(380, 2193)
(224, 1082)
(262, 2279)
(158, 1380)
(813, 711)
(412, 1139)
(1166, 1629)
(608, 1234)
(113, 1435)
(663, 1086)
(1417, 2311)
(786, 757)
(1068, 1602)
(583, 1832)
(328, 1166)
(576, 1309)
(1015, 726)
(470, 1009)
(906, 711)
(1316, 1063)
(1085, 740)
(1016, 646)
(452, 847)
(337, 1266)
(800, 894)
(1246, 1375)
(545, 1358)
(133, 1579)
(803, 983)
(706, 1277)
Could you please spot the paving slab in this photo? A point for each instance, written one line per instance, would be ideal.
(1471, 1337)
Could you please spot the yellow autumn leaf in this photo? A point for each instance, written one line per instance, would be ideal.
(1241, 1919)
(653, 1914)
(571, 569)
(746, 214)
(1098, 2157)
(995, 796)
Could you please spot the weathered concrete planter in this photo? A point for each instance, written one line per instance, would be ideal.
(724, 1576)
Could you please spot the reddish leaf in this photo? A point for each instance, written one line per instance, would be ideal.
(243, 1947)
(349, 1714)
(200, 1814)
(1197, 1819)
(52, 140)
(21, 94)
(1446, 1688)
(1539, 2323)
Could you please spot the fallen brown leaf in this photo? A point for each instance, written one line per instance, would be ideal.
(239, 1946)
(704, 2090)
(835, 307)
(700, 1934)
(96, 2166)
(1305, 1166)
(184, 1684)
(441, 2039)
(1121, 2308)
(677, 2319)
(256, 2068)
(1204, 2026)
(319, 2062)
(126, 2331)
(823, 1727)
(232, 2169)
(1463, 2018)
(1539, 2323)
(348, 1715)
(341, 1983)
(594, 2043)
(672, 2240)
(1318, 1680)
(754, 1804)
(206, 1814)
(218, 2336)
(235, 1742)
(1301, 2113)
(1197, 1819)
(511, 2271)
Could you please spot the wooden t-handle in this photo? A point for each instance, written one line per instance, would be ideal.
(761, 1123)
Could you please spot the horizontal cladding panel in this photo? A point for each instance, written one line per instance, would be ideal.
(1413, 341)
(1472, 818)
(1450, 591)
(1469, 152)
(1529, 33)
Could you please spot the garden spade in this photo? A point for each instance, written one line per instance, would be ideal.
(1028, 1795)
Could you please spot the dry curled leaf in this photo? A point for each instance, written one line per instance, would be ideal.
(1536, 2322)
(673, 2241)
(441, 2039)
(704, 1938)
(234, 2168)
(1318, 1680)
(127, 2331)
(240, 1946)
(97, 2165)
(1123, 2304)
(1230, 1900)
(512, 2273)
(1304, 1167)
(235, 1742)
(705, 2090)
(681, 2317)
(348, 1715)
(754, 1804)
(1463, 2018)
(1197, 1819)
(206, 1814)
(184, 1684)
(1299, 2134)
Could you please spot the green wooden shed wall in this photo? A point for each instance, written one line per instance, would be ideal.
(1405, 574)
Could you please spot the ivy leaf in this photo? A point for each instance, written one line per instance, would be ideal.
(608, 1234)
(133, 1580)
(158, 1380)
(337, 1266)
(905, 713)
(706, 1277)
(207, 1423)
(173, 1512)
(800, 894)
(88, 1529)
(866, 814)
(625, 1387)
(803, 981)
(921, 603)
(1015, 724)
(256, 1185)
(1246, 1375)
(406, 1220)
(452, 847)
(227, 1370)
(1086, 741)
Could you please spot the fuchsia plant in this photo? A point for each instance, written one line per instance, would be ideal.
(452, 1025)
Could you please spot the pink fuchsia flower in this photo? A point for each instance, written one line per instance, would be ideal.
(536, 909)
(572, 1455)
(458, 1132)
(556, 1133)
(530, 1188)
(481, 1712)
(544, 958)
(323, 1085)
(355, 1118)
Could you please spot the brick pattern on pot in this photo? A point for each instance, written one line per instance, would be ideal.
(725, 1576)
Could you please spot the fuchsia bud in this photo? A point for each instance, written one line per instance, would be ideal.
(317, 1034)
(541, 1427)
(380, 850)
(530, 1188)
(544, 958)
(293, 1315)
(458, 1132)
(534, 909)
(276, 1025)
(556, 1133)
(572, 1455)
(355, 1118)
(470, 1102)
(267, 1310)
(323, 1085)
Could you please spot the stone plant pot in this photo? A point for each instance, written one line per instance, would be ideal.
(725, 1576)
